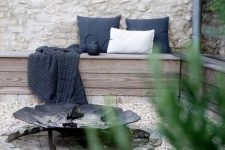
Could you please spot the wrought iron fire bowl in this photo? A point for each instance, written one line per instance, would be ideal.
(55, 117)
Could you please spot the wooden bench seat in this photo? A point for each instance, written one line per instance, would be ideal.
(122, 77)
(103, 75)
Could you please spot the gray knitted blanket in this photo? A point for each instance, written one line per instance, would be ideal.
(54, 77)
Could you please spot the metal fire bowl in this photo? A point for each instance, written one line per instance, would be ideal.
(52, 116)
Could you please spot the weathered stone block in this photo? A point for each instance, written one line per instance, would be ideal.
(1, 15)
(15, 29)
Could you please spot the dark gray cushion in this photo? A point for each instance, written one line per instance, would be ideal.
(160, 25)
(99, 27)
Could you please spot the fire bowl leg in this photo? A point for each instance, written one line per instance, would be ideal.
(50, 140)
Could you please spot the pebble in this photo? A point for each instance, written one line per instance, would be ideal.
(155, 139)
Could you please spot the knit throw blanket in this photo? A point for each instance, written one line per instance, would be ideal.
(53, 75)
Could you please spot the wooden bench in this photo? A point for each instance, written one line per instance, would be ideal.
(211, 68)
(123, 77)
(104, 75)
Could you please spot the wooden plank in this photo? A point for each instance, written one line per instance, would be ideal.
(170, 67)
(208, 89)
(89, 91)
(26, 53)
(125, 66)
(113, 66)
(125, 85)
(210, 76)
(13, 79)
(213, 107)
(214, 64)
(13, 64)
(218, 58)
(99, 66)
(184, 68)
(129, 56)
(108, 56)
(210, 106)
(205, 87)
(119, 92)
(15, 90)
(128, 81)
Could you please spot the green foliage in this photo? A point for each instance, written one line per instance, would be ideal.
(184, 121)
(116, 137)
(219, 7)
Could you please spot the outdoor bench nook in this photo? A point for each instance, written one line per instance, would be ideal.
(103, 75)
(109, 75)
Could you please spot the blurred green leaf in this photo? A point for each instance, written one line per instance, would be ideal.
(219, 7)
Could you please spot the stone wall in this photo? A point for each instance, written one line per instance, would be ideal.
(27, 24)
(213, 31)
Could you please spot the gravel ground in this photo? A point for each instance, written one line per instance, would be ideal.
(149, 118)
(9, 104)
(141, 106)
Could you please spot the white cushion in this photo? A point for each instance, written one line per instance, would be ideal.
(123, 41)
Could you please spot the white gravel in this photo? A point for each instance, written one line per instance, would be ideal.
(142, 106)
